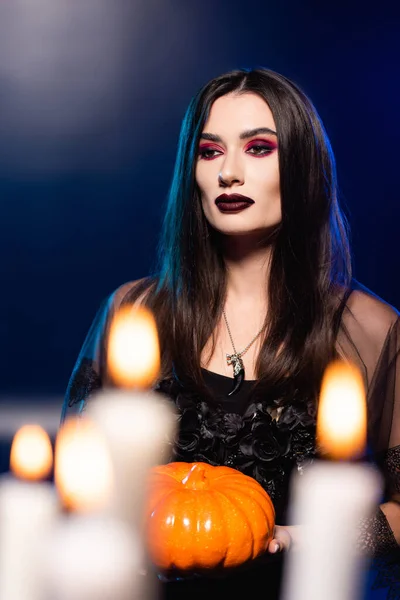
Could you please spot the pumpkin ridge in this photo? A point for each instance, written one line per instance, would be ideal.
(243, 515)
(223, 471)
(197, 558)
(234, 474)
(161, 499)
(260, 495)
(265, 507)
(176, 559)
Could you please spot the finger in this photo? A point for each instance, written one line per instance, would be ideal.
(274, 546)
(281, 541)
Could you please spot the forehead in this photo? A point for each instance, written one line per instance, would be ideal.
(235, 113)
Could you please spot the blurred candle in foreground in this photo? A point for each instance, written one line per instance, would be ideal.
(133, 348)
(138, 424)
(82, 470)
(91, 556)
(332, 496)
(28, 511)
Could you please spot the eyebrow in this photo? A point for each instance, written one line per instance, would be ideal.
(243, 136)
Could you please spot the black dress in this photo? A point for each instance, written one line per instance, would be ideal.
(266, 440)
(225, 420)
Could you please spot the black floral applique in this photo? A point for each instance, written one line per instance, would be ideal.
(266, 442)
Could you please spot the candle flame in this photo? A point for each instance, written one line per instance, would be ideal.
(133, 355)
(82, 470)
(342, 412)
(31, 454)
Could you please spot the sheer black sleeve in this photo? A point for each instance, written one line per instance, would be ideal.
(89, 373)
(370, 336)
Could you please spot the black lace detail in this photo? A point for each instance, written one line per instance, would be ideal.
(376, 537)
(376, 540)
(266, 442)
(391, 465)
(84, 381)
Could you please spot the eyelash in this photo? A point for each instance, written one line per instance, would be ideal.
(203, 153)
(262, 149)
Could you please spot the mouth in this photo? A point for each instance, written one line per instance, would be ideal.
(232, 203)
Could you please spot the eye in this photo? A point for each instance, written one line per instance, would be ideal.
(208, 152)
(260, 148)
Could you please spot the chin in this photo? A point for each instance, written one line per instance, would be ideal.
(244, 228)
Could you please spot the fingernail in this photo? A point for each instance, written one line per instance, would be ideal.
(275, 548)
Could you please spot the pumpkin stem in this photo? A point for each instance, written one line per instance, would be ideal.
(196, 479)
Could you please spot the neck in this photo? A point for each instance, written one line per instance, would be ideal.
(247, 262)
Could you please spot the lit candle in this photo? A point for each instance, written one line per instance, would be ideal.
(331, 497)
(28, 510)
(138, 424)
(91, 556)
(82, 470)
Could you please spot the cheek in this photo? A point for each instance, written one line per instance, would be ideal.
(200, 181)
(206, 175)
(268, 179)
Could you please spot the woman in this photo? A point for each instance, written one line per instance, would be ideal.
(255, 285)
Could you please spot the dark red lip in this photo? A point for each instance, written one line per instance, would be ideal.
(234, 199)
(233, 203)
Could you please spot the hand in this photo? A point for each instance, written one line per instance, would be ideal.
(285, 538)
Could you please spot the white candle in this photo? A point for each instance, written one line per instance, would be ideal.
(91, 556)
(138, 424)
(138, 427)
(28, 510)
(330, 498)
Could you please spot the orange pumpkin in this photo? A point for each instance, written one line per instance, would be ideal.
(202, 517)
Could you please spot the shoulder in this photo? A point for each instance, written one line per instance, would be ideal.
(372, 309)
(135, 291)
(373, 315)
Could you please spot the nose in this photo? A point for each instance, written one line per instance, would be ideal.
(231, 173)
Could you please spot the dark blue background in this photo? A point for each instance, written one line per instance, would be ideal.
(90, 109)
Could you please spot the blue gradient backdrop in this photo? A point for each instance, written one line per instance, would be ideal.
(91, 100)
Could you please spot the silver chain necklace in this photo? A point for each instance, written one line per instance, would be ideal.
(235, 359)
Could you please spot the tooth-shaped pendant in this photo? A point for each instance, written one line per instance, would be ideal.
(238, 371)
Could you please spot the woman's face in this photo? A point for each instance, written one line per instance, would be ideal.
(238, 155)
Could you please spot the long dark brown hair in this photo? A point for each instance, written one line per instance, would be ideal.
(310, 266)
